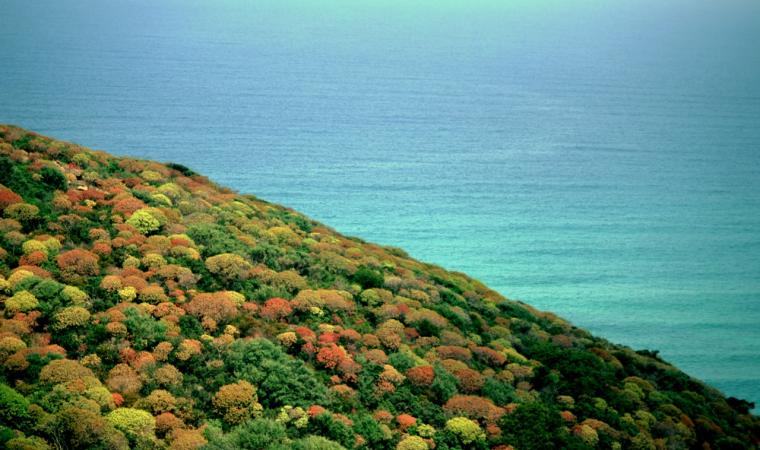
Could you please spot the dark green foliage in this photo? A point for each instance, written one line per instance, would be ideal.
(536, 426)
(23, 143)
(18, 178)
(325, 425)
(281, 379)
(6, 434)
(444, 385)
(255, 434)
(511, 309)
(401, 361)
(267, 254)
(145, 330)
(14, 408)
(53, 178)
(581, 372)
(739, 405)
(427, 328)
(181, 169)
(368, 427)
(366, 385)
(37, 362)
(191, 326)
(499, 391)
(368, 278)
(215, 239)
(313, 442)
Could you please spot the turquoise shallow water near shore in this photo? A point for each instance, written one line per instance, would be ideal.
(598, 161)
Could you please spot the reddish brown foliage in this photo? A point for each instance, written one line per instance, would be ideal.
(469, 380)
(473, 407)
(454, 352)
(421, 376)
(489, 356)
(79, 262)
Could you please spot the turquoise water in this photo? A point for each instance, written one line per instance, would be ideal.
(596, 159)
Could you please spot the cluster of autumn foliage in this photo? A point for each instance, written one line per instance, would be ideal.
(142, 306)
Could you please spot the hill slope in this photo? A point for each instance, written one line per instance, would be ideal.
(145, 307)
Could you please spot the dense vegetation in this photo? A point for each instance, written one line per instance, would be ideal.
(145, 307)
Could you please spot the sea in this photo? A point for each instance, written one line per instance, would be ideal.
(598, 159)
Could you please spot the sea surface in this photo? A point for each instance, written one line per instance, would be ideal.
(599, 159)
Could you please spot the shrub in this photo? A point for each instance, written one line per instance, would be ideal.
(144, 221)
(135, 423)
(228, 266)
(368, 278)
(27, 443)
(281, 379)
(21, 301)
(276, 309)
(331, 356)
(412, 443)
(72, 316)
(533, 426)
(469, 380)
(217, 306)
(64, 370)
(75, 296)
(237, 402)
(465, 429)
(444, 385)
(316, 443)
(421, 376)
(79, 262)
(473, 407)
(23, 212)
(14, 408)
(8, 197)
(124, 379)
(10, 345)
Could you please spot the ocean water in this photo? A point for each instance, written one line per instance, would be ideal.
(597, 159)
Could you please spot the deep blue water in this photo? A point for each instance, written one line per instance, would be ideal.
(597, 159)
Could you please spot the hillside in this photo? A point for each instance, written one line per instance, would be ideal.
(145, 307)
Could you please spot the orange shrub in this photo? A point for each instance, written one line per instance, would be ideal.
(8, 197)
(405, 421)
(276, 309)
(213, 305)
(331, 356)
